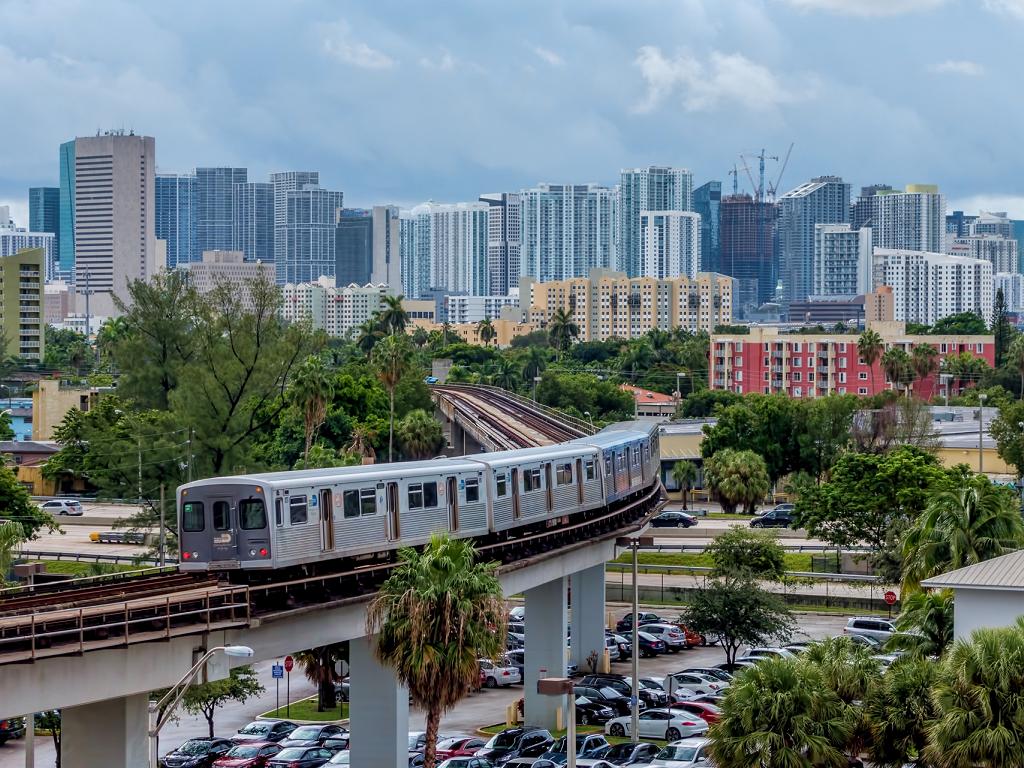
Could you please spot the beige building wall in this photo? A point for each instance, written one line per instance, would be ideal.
(51, 402)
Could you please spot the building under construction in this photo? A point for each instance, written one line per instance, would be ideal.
(749, 249)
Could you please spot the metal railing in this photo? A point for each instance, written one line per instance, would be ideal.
(90, 557)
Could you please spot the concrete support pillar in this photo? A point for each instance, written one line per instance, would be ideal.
(378, 710)
(546, 616)
(588, 591)
(107, 734)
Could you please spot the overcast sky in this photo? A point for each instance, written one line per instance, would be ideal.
(403, 101)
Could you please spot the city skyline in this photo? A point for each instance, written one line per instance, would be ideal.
(596, 90)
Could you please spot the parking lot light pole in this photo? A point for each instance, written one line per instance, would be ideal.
(563, 686)
(170, 700)
(981, 432)
(634, 543)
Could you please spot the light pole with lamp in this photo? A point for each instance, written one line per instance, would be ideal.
(589, 418)
(563, 686)
(161, 711)
(982, 397)
(634, 543)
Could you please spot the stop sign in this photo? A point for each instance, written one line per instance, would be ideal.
(890, 599)
(289, 662)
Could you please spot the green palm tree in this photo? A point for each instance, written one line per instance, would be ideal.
(447, 333)
(311, 391)
(980, 710)
(11, 535)
(536, 362)
(562, 330)
(896, 364)
(899, 709)
(869, 345)
(392, 316)
(434, 618)
(969, 523)
(420, 337)
(850, 671)
(485, 331)
(924, 361)
(368, 334)
(781, 714)
(507, 374)
(684, 473)
(636, 357)
(1015, 359)
(390, 360)
(738, 478)
(320, 665)
(420, 435)
(926, 621)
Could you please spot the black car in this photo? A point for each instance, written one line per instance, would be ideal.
(312, 735)
(338, 743)
(516, 742)
(608, 697)
(300, 757)
(12, 728)
(625, 624)
(629, 753)
(264, 730)
(774, 518)
(650, 645)
(673, 520)
(593, 712)
(649, 696)
(196, 753)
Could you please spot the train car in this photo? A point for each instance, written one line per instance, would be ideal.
(625, 460)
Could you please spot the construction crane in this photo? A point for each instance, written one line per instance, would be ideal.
(735, 180)
(759, 187)
(773, 189)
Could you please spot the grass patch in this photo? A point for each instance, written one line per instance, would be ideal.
(794, 561)
(305, 709)
(728, 516)
(78, 568)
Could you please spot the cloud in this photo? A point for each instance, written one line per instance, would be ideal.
(1012, 204)
(959, 67)
(867, 8)
(444, 63)
(339, 44)
(1012, 7)
(729, 78)
(19, 211)
(548, 56)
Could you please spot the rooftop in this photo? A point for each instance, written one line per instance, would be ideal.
(1006, 573)
(647, 396)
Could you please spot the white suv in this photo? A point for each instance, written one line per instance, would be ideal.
(870, 626)
(63, 507)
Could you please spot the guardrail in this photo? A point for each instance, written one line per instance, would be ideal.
(822, 548)
(89, 557)
(702, 570)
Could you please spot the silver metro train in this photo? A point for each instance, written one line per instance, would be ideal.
(297, 520)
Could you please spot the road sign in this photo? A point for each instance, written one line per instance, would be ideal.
(289, 663)
(277, 671)
(890, 597)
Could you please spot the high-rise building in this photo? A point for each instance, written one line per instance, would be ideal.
(284, 182)
(992, 223)
(176, 217)
(353, 246)
(503, 244)
(215, 207)
(749, 250)
(227, 267)
(114, 215)
(305, 241)
(450, 240)
(13, 240)
(1001, 251)
(1012, 286)
(707, 201)
(415, 270)
(339, 309)
(66, 256)
(654, 188)
(254, 221)
(473, 309)
(959, 224)
(842, 260)
(567, 230)
(929, 286)
(822, 200)
(21, 292)
(386, 262)
(914, 219)
(44, 216)
(669, 244)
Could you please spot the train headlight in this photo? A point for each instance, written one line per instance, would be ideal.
(263, 551)
(252, 553)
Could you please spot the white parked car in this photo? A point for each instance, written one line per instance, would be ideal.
(659, 724)
(870, 626)
(697, 682)
(71, 507)
(591, 762)
(756, 654)
(500, 673)
(685, 753)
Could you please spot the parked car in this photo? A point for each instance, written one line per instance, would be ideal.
(870, 626)
(678, 692)
(587, 745)
(673, 637)
(710, 698)
(624, 686)
(252, 754)
(607, 696)
(870, 642)
(659, 724)
(517, 614)
(301, 757)
(264, 730)
(515, 742)
(342, 690)
(196, 753)
(736, 666)
(341, 758)
(458, 746)
(625, 624)
(685, 753)
(612, 646)
(11, 728)
(592, 712)
(697, 682)
(338, 743)
(515, 640)
(649, 644)
(500, 673)
(773, 518)
(721, 674)
(628, 753)
(625, 646)
(593, 762)
(702, 709)
(466, 762)
(783, 507)
(312, 735)
(418, 740)
(758, 654)
(673, 520)
(70, 507)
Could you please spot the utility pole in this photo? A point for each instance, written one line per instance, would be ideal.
(190, 453)
(140, 467)
(163, 530)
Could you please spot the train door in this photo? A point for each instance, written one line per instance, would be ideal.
(394, 529)
(517, 511)
(453, 504)
(579, 481)
(326, 521)
(628, 456)
(225, 537)
(549, 491)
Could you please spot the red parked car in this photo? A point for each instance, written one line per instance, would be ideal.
(704, 710)
(252, 754)
(458, 746)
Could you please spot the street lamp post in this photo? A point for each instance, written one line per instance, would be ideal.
(161, 711)
(589, 418)
(634, 543)
(981, 431)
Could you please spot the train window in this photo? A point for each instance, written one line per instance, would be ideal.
(351, 503)
(221, 515)
(297, 513)
(563, 474)
(278, 512)
(253, 514)
(608, 461)
(590, 469)
(501, 484)
(472, 490)
(430, 495)
(415, 495)
(636, 457)
(531, 479)
(193, 519)
(368, 501)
